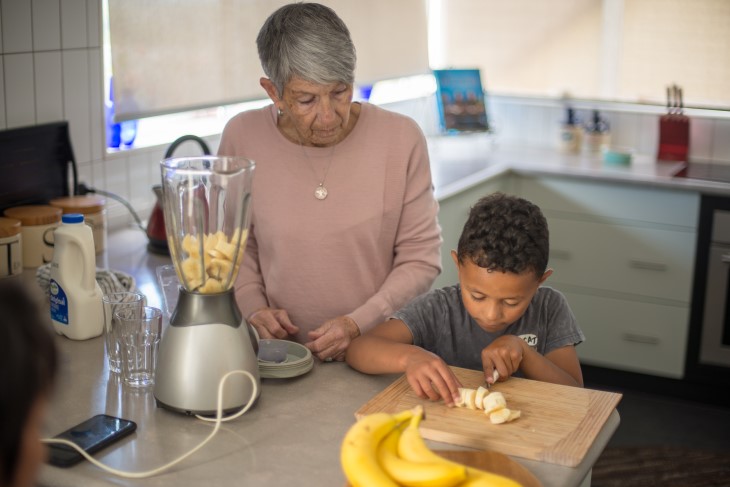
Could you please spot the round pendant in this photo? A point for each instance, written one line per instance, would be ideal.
(320, 193)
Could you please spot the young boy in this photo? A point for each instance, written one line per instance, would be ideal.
(497, 318)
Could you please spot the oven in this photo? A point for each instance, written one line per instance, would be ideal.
(708, 354)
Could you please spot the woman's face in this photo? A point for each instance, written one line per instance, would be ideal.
(31, 453)
(319, 113)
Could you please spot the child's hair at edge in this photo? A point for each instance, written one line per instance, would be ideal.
(505, 233)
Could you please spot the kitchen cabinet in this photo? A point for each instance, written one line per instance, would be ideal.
(624, 257)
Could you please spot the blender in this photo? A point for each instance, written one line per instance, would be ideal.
(206, 203)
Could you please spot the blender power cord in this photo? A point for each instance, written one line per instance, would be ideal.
(83, 189)
(218, 420)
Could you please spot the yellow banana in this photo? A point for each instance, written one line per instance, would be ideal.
(411, 474)
(358, 453)
(412, 447)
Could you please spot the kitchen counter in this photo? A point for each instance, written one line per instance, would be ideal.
(461, 162)
(291, 436)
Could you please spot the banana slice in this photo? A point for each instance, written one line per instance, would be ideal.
(493, 401)
(503, 415)
(480, 395)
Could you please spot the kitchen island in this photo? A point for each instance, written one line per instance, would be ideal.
(291, 436)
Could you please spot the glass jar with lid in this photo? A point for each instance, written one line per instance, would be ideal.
(93, 207)
(11, 247)
(38, 224)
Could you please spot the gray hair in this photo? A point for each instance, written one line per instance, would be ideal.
(307, 40)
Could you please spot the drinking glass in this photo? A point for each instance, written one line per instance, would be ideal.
(140, 330)
(112, 302)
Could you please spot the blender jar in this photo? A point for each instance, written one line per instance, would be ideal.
(206, 204)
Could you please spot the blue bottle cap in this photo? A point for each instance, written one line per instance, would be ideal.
(72, 218)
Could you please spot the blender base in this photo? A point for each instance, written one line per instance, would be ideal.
(206, 339)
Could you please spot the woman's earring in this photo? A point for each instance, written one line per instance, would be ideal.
(279, 112)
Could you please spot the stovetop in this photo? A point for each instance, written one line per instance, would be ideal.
(710, 172)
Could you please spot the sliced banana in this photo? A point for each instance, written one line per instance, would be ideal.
(494, 404)
(211, 272)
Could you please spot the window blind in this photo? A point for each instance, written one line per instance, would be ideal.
(626, 50)
(175, 55)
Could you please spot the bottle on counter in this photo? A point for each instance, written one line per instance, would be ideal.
(571, 133)
(597, 135)
(76, 307)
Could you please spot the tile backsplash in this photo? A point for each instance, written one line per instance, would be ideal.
(51, 69)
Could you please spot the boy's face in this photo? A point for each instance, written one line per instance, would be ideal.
(496, 299)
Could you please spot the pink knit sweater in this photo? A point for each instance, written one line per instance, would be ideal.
(371, 246)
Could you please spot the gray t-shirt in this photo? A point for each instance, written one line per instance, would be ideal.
(440, 324)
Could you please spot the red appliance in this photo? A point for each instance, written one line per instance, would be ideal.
(156, 225)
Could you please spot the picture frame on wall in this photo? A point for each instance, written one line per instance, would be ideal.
(461, 101)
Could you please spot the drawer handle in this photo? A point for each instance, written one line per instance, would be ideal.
(647, 339)
(560, 254)
(648, 266)
(725, 258)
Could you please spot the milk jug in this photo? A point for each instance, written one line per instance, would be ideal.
(76, 307)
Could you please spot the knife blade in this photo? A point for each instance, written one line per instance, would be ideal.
(495, 376)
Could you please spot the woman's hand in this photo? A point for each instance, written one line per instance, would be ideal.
(504, 355)
(431, 378)
(330, 341)
(272, 323)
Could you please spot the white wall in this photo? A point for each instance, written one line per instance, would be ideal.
(51, 66)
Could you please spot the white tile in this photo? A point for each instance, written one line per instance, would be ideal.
(700, 138)
(721, 141)
(85, 174)
(19, 93)
(96, 109)
(76, 101)
(73, 24)
(141, 174)
(1, 26)
(648, 134)
(93, 19)
(48, 86)
(46, 25)
(625, 130)
(16, 26)
(3, 124)
(117, 176)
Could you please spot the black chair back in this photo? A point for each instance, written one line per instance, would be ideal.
(34, 164)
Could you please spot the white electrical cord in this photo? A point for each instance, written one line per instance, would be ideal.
(218, 420)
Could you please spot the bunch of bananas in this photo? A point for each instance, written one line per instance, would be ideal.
(387, 450)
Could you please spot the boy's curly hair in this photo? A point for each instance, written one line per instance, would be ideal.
(505, 233)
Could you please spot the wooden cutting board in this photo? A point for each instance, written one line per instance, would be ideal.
(558, 423)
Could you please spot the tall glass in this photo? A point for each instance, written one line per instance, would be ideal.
(140, 331)
(112, 302)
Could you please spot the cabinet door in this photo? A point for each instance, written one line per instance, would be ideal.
(648, 262)
(453, 212)
(631, 335)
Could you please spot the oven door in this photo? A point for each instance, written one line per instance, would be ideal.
(715, 335)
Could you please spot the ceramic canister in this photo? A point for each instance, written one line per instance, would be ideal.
(11, 247)
(38, 224)
(93, 207)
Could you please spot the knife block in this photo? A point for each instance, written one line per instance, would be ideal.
(673, 137)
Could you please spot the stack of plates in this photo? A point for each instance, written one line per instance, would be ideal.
(298, 361)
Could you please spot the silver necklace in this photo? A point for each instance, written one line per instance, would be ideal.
(320, 192)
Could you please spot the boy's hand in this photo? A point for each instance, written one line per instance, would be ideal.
(503, 355)
(430, 378)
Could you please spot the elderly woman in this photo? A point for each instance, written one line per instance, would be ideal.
(344, 226)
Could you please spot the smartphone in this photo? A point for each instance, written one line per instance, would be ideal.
(91, 435)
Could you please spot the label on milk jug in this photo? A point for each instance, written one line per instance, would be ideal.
(59, 303)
